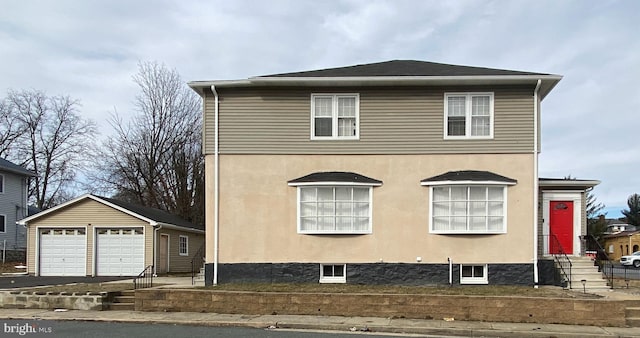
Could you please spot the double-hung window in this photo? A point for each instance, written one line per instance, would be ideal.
(468, 115)
(183, 245)
(335, 116)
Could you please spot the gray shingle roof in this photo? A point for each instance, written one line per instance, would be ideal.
(469, 175)
(157, 215)
(404, 68)
(14, 168)
(336, 176)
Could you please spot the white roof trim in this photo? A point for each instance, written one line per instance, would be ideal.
(26, 220)
(467, 182)
(323, 183)
(176, 227)
(569, 183)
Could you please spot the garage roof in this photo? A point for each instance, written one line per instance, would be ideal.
(152, 215)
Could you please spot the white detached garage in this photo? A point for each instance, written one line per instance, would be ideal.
(98, 236)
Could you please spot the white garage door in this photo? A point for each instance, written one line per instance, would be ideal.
(119, 252)
(63, 252)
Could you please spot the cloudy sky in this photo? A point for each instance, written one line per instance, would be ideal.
(590, 124)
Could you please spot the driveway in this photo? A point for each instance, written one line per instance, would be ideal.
(23, 281)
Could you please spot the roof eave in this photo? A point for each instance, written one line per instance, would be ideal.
(568, 183)
(548, 81)
(181, 228)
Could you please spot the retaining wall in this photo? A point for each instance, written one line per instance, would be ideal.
(49, 300)
(472, 308)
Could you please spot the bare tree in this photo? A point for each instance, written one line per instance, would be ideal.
(155, 158)
(11, 129)
(54, 142)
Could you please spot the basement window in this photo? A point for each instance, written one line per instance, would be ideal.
(473, 274)
(333, 273)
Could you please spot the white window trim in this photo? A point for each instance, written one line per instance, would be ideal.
(336, 280)
(467, 134)
(4, 220)
(186, 245)
(334, 118)
(475, 280)
(467, 232)
(316, 232)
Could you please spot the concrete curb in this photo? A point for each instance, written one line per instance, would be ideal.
(332, 323)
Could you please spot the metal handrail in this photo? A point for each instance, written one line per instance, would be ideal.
(605, 264)
(196, 263)
(561, 256)
(144, 279)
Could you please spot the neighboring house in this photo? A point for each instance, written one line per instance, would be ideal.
(402, 172)
(622, 243)
(14, 185)
(616, 226)
(98, 236)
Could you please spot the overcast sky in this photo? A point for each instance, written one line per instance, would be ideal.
(590, 123)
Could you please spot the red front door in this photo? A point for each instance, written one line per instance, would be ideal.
(561, 225)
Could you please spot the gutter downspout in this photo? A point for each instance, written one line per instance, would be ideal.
(535, 184)
(216, 194)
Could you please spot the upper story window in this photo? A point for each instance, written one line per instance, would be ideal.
(468, 115)
(334, 203)
(335, 116)
(468, 202)
(1, 184)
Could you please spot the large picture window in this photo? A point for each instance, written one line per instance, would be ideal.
(468, 115)
(335, 116)
(334, 209)
(468, 209)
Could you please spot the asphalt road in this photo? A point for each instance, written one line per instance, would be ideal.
(74, 329)
(22, 281)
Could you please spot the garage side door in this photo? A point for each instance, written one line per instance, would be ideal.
(119, 252)
(63, 252)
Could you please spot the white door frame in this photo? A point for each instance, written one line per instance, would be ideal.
(563, 195)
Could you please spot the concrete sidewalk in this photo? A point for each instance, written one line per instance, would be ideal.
(288, 322)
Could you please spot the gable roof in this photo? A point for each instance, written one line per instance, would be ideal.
(392, 73)
(14, 168)
(468, 176)
(404, 68)
(151, 215)
(335, 177)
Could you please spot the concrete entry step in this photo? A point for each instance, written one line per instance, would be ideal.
(123, 300)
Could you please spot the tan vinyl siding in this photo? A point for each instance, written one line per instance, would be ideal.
(179, 263)
(396, 120)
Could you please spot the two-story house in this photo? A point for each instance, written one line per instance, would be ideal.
(402, 172)
(14, 185)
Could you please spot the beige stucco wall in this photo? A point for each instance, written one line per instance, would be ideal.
(258, 210)
(87, 214)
